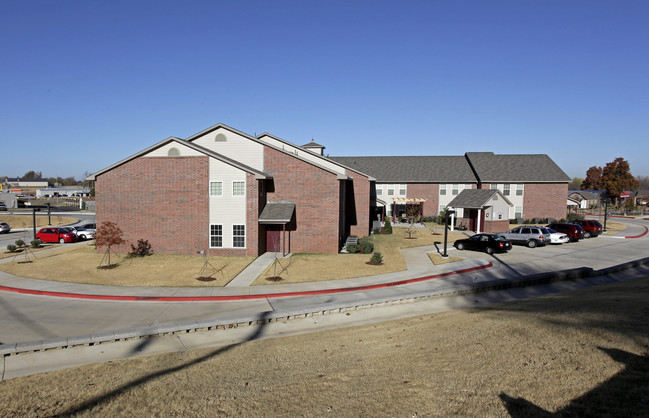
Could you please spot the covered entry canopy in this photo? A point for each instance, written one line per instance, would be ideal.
(486, 207)
(277, 213)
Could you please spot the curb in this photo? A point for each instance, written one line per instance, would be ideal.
(236, 297)
(224, 324)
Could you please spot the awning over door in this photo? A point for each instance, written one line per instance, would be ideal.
(277, 213)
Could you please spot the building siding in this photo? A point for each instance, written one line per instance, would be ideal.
(545, 200)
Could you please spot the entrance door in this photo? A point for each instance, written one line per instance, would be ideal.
(273, 238)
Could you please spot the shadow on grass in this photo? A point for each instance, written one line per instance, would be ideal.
(107, 397)
(625, 394)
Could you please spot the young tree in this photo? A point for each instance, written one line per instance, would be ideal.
(617, 177)
(108, 234)
(643, 182)
(413, 215)
(576, 183)
(593, 180)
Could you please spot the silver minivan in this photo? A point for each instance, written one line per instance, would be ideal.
(532, 236)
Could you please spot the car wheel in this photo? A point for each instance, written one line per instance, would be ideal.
(586, 234)
(460, 246)
(531, 243)
(490, 250)
(61, 241)
(83, 237)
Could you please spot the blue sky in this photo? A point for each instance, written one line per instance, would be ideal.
(85, 84)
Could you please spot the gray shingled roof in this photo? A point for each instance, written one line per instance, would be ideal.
(516, 168)
(277, 213)
(474, 198)
(413, 169)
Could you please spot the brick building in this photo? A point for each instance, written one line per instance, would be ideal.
(228, 193)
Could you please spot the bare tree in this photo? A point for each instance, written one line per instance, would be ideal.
(413, 215)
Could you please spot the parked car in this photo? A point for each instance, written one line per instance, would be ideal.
(56, 234)
(82, 233)
(90, 227)
(3, 206)
(532, 236)
(574, 231)
(4, 228)
(591, 228)
(556, 237)
(484, 242)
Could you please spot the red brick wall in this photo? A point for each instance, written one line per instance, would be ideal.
(316, 194)
(545, 200)
(496, 226)
(427, 191)
(361, 204)
(162, 200)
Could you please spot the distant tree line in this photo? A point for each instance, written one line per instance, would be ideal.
(53, 181)
(614, 178)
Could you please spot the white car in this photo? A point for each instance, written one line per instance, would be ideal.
(4, 228)
(556, 237)
(82, 233)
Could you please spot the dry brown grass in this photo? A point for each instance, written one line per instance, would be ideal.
(301, 268)
(437, 259)
(26, 221)
(79, 265)
(581, 353)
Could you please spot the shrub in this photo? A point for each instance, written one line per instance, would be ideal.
(377, 258)
(513, 221)
(376, 231)
(573, 217)
(35, 243)
(366, 245)
(11, 248)
(428, 219)
(388, 225)
(20, 243)
(352, 248)
(143, 249)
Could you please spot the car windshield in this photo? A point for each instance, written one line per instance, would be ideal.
(65, 229)
(79, 228)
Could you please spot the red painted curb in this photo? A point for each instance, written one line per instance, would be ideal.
(641, 235)
(234, 297)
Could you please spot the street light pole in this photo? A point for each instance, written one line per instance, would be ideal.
(448, 214)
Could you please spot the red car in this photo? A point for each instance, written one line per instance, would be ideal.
(591, 228)
(574, 231)
(53, 234)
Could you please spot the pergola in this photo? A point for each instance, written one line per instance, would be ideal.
(409, 201)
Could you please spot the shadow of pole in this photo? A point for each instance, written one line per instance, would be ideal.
(91, 403)
(27, 322)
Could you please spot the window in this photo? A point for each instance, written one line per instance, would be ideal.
(519, 190)
(238, 188)
(518, 212)
(441, 208)
(220, 138)
(402, 190)
(173, 152)
(390, 189)
(216, 188)
(506, 188)
(238, 236)
(493, 186)
(442, 189)
(379, 189)
(455, 189)
(216, 235)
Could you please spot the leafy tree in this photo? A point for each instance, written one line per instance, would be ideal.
(576, 183)
(593, 180)
(33, 175)
(108, 235)
(617, 177)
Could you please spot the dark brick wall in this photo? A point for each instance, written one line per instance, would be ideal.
(545, 200)
(316, 194)
(427, 191)
(162, 200)
(360, 204)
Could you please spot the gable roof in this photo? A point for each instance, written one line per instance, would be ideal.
(413, 169)
(476, 198)
(258, 174)
(515, 168)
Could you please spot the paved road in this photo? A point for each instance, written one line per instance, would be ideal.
(29, 318)
(28, 234)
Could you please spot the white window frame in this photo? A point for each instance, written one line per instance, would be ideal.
(213, 190)
(390, 189)
(403, 191)
(379, 190)
(243, 191)
(519, 189)
(506, 189)
(213, 236)
(442, 189)
(493, 186)
(455, 189)
(236, 235)
(518, 212)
